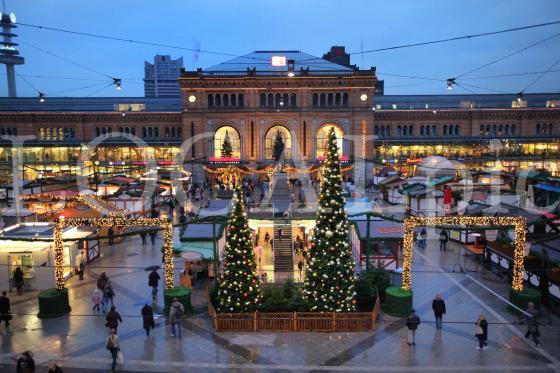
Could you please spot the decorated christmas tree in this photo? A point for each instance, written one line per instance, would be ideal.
(227, 150)
(238, 286)
(278, 146)
(329, 281)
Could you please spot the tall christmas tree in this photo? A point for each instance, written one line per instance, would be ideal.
(227, 149)
(329, 281)
(239, 285)
(278, 147)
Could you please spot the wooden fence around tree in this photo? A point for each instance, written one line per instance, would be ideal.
(293, 321)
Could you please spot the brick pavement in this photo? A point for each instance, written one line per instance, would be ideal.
(78, 340)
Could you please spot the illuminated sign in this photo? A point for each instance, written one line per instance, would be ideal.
(7, 48)
(278, 61)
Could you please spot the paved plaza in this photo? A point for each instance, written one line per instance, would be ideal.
(77, 341)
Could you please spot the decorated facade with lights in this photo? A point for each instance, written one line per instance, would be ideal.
(239, 285)
(329, 281)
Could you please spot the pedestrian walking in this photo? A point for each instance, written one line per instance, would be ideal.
(114, 347)
(148, 318)
(422, 239)
(81, 265)
(153, 280)
(25, 363)
(153, 237)
(286, 217)
(102, 281)
(412, 323)
(443, 238)
(532, 323)
(5, 314)
(111, 234)
(481, 332)
(143, 236)
(266, 238)
(438, 306)
(300, 267)
(280, 234)
(108, 295)
(113, 318)
(18, 279)
(96, 299)
(176, 312)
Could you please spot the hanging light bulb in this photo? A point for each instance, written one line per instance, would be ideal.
(450, 83)
(41, 97)
(520, 96)
(118, 83)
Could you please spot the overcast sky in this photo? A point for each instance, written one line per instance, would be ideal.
(239, 27)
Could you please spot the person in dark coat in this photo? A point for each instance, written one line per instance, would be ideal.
(25, 363)
(153, 237)
(18, 279)
(481, 332)
(443, 238)
(438, 305)
(153, 280)
(143, 236)
(148, 318)
(113, 318)
(5, 308)
(412, 323)
(111, 234)
(532, 323)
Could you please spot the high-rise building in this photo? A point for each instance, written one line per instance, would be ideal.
(160, 77)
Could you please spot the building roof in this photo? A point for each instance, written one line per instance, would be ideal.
(90, 104)
(261, 61)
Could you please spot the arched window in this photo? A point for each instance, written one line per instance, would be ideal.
(293, 100)
(444, 130)
(482, 130)
(127, 130)
(434, 130)
(388, 131)
(550, 128)
(382, 131)
(487, 130)
(166, 132)
(218, 100)
(144, 132)
(270, 138)
(179, 132)
(456, 129)
(321, 142)
(513, 129)
(241, 100)
(150, 132)
(337, 99)
(494, 130)
(323, 99)
(234, 139)
(2, 132)
(14, 131)
(277, 99)
(410, 130)
(103, 131)
(133, 131)
(330, 99)
(270, 100)
(421, 130)
(404, 130)
(538, 129)
(345, 99)
(315, 99)
(210, 101)
(376, 130)
(156, 132)
(233, 99)
(506, 129)
(399, 131)
(286, 99)
(500, 130)
(173, 135)
(225, 100)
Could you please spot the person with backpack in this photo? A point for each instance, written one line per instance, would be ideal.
(176, 312)
(481, 332)
(266, 238)
(113, 318)
(412, 323)
(443, 238)
(114, 347)
(148, 318)
(438, 306)
(25, 363)
(153, 280)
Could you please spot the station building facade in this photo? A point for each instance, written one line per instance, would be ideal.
(299, 98)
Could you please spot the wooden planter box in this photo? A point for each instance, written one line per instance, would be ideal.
(293, 321)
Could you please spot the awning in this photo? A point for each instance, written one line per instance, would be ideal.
(205, 248)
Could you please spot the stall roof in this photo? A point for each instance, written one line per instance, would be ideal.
(504, 209)
(548, 187)
(441, 180)
(205, 248)
(390, 179)
(12, 212)
(38, 231)
(551, 248)
(201, 232)
(379, 229)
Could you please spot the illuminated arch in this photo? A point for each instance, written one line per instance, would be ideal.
(269, 141)
(321, 139)
(234, 138)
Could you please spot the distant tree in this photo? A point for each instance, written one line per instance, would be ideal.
(227, 149)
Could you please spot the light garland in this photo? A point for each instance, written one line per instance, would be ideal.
(71, 201)
(519, 223)
(62, 223)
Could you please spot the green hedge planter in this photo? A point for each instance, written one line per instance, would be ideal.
(53, 303)
(179, 292)
(398, 302)
(521, 298)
